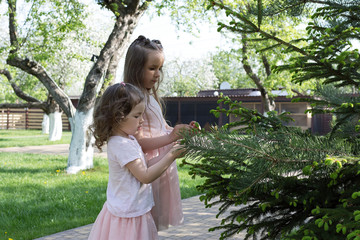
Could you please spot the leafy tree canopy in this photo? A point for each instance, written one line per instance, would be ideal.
(58, 35)
(187, 78)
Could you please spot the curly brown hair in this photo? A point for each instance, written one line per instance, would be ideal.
(114, 105)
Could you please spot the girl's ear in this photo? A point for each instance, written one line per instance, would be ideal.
(119, 120)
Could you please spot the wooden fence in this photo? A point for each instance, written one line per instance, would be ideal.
(12, 118)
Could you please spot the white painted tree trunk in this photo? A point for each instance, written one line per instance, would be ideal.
(45, 124)
(81, 148)
(55, 130)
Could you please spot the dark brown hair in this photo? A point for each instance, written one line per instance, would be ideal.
(114, 105)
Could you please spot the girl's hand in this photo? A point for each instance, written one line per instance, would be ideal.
(178, 129)
(178, 151)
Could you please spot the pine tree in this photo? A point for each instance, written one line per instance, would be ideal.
(287, 183)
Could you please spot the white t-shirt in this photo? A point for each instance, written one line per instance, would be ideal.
(126, 196)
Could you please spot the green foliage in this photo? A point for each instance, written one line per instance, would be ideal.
(289, 184)
(46, 32)
(329, 54)
(342, 104)
(283, 181)
(264, 26)
(227, 65)
(330, 59)
(48, 23)
(250, 120)
(187, 15)
(25, 82)
(228, 68)
(187, 78)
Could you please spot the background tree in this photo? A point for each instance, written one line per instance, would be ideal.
(126, 16)
(65, 62)
(187, 77)
(227, 68)
(30, 102)
(288, 183)
(50, 53)
(248, 51)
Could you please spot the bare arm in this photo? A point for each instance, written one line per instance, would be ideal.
(149, 174)
(161, 141)
(156, 142)
(168, 127)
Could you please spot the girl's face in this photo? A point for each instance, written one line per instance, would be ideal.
(132, 122)
(152, 69)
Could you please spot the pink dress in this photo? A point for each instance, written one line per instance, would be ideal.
(166, 190)
(126, 212)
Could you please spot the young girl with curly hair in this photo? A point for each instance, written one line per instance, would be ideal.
(118, 116)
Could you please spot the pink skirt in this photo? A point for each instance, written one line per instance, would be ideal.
(110, 227)
(166, 190)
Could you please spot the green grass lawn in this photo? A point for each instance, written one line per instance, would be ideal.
(21, 138)
(37, 197)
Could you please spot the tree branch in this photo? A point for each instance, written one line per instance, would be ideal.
(267, 100)
(299, 3)
(121, 33)
(35, 69)
(252, 28)
(266, 65)
(17, 89)
(144, 6)
(297, 92)
(12, 27)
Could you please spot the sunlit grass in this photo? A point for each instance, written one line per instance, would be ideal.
(37, 197)
(21, 138)
(187, 184)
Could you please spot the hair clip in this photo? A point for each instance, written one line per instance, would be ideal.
(122, 84)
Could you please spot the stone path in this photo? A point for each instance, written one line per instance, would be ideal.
(198, 220)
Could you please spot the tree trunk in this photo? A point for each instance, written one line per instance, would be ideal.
(266, 99)
(45, 124)
(55, 127)
(81, 147)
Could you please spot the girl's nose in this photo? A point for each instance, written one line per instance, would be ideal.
(157, 73)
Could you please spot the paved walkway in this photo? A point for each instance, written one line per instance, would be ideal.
(197, 218)
(62, 149)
